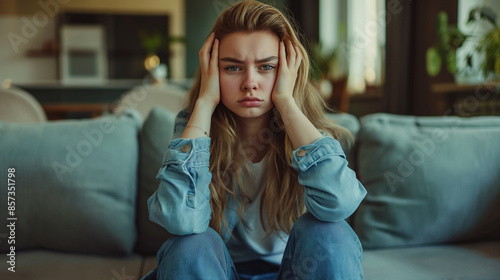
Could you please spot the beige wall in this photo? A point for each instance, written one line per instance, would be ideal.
(173, 8)
(8, 7)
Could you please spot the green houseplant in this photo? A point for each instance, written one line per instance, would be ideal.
(449, 38)
(330, 70)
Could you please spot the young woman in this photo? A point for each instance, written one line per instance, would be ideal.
(255, 180)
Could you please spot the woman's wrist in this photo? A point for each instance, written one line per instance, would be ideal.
(285, 106)
(200, 120)
(206, 104)
(299, 128)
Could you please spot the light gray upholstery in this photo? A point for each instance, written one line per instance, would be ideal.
(471, 261)
(144, 98)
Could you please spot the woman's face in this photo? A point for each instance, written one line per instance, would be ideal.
(248, 63)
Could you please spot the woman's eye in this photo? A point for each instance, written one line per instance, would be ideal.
(267, 67)
(233, 68)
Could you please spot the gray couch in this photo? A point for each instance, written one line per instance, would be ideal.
(433, 204)
(432, 210)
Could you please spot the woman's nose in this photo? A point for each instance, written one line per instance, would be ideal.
(250, 82)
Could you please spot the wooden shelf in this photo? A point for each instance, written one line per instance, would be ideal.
(42, 53)
(451, 88)
(467, 100)
(61, 111)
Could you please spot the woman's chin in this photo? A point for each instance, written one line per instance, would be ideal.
(251, 112)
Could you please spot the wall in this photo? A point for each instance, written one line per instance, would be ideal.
(174, 8)
(15, 13)
(14, 64)
(200, 18)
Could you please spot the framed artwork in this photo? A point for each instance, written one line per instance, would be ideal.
(83, 57)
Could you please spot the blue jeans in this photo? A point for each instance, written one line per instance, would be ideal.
(315, 250)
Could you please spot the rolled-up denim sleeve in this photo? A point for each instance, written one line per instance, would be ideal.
(332, 191)
(182, 202)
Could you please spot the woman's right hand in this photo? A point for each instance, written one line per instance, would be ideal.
(209, 66)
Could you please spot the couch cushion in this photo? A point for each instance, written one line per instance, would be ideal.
(351, 123)
(429, 180)
(348, 121)
(75, 186)
(154, 139)
(475, 261)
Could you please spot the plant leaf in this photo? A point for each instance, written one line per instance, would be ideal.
(497, 65)
(451, 61)
(442, 23)
(433, 61)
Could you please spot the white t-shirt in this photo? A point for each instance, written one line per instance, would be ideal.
(250, 243)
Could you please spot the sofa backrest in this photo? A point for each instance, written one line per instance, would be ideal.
(429, 180)
(74, 184)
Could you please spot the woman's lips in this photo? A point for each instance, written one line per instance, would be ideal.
(250, 101)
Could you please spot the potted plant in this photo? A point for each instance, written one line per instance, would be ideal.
(330, 70)
(449, 38)
(152, 43)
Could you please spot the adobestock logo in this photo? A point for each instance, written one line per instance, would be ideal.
(417, 157)
(426, 147)
(84, 148)
(361, 38)
(122, 276)
(133, 98)
(40, 19)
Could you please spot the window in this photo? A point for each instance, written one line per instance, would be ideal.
(355, 29)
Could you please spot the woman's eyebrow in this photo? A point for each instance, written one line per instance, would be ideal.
(234, 60)
(267, 59)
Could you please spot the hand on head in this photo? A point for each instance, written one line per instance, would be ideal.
(209, 56)
(289, 62)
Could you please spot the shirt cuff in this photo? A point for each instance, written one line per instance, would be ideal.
(309, 155)
(194, 152)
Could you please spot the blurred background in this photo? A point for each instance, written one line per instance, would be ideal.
(78, 57)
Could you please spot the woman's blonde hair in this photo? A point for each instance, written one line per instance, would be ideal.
(282, 199)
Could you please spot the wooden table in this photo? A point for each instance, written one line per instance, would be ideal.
(58, 111)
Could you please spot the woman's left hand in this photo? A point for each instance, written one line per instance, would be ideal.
(287, 74)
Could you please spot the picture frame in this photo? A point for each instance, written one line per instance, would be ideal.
(83, 56)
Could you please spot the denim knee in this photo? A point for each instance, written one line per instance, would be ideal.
(308, 226)
(195, 256)
(322, 250)
(192, 244)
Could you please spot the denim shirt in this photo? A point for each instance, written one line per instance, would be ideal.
(182, 202)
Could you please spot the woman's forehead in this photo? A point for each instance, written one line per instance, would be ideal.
(244, 45)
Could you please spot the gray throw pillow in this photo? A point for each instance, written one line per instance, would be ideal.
(429, 180)
(75, 184)
(347, 121)
(154, 139)
(351, 123)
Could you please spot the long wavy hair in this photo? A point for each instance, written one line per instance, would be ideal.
(282, 199)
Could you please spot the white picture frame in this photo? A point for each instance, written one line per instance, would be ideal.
(83, 56)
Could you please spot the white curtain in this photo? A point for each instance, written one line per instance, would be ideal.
(357, 29)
